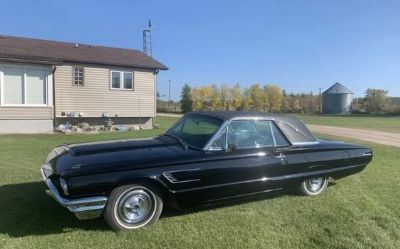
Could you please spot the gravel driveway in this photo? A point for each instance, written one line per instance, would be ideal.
(378, 137)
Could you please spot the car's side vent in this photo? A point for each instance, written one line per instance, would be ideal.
(170, 177)
(183, 176)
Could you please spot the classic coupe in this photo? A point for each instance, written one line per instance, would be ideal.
(205, 157)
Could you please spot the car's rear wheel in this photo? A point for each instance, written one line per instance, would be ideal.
(313, 186)
(132, 207)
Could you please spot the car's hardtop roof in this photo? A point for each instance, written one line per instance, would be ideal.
(227, 115)
(294, 129)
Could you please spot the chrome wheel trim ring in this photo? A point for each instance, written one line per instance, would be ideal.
(315, 184)
(135, 207)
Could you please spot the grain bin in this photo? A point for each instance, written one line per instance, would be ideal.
(337, 100)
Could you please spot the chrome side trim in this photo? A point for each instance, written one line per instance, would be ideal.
(318, 172)
(274, 178)
(306, 143)
(168, 175)
(244, 195)
(182, 170)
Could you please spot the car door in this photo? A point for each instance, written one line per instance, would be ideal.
(242, 159)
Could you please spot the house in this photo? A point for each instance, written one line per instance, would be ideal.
(46, 83)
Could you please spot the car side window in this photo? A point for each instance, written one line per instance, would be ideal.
(242, 134)
(250, 134)
(280, 139)
(220, 142)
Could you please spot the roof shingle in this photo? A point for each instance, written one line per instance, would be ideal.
(19, 48)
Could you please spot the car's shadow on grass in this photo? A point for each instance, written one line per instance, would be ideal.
(26, 210)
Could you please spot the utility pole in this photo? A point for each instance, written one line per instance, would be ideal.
(320, 100)
(169, 92)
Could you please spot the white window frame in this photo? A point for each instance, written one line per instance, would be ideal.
(48, 86)
(83, 76)
(121, 80)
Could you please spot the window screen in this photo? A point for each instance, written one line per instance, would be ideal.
(128, 80)
(13, 86)
(116, 80)
(35, 87)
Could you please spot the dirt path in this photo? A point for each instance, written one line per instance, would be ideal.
(378, 137)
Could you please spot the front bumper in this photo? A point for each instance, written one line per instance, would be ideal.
(83, 208)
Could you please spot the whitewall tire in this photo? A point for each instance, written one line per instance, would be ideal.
(313, 186)
(132, 207)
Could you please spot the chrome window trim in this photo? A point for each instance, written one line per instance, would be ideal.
(216, 135)
(305, 143)
(272, 133)
(208, 146)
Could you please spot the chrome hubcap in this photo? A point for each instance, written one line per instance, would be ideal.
(135, 206)
(315, 184)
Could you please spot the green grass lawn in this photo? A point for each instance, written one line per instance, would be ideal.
(361, 211)
(381, 123)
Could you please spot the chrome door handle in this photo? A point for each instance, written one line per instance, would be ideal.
(280, 156)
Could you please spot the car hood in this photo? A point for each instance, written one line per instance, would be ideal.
(100, 157)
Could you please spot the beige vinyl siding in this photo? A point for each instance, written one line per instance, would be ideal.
(27, 113)
(96, 96)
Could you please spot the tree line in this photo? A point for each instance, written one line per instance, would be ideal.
(272, 98)
(257, 97)
(376, 101)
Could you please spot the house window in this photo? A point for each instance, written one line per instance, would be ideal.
(128, 81)
(78, 76)
(24, 86)
(121, 80)
(116, 80)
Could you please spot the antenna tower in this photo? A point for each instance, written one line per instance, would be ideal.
(147, 46)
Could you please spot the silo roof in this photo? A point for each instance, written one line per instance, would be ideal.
(337, 88)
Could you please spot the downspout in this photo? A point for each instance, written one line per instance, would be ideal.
(155, 97)
(54, 96)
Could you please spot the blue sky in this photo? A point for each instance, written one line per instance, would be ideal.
(298, 45)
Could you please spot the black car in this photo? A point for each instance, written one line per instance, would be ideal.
(204, 158)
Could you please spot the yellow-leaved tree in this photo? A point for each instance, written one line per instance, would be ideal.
(275, 96)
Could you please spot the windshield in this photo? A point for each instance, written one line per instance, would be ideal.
(195, 130)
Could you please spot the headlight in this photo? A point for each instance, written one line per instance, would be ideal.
(64, 185)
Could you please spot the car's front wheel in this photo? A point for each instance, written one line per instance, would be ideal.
(313, 186)
(132, 207)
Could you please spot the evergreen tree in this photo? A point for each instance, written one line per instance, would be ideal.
(186, 99)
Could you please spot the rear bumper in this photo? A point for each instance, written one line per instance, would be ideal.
(83, 208)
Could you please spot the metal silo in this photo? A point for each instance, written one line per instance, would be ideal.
(337, 100)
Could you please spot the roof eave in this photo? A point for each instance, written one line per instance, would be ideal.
(60, 62)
